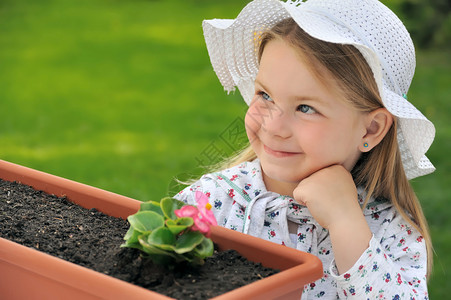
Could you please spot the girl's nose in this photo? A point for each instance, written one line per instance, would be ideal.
(276, 123)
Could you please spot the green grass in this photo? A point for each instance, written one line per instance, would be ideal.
(121, 95)
(430, 92)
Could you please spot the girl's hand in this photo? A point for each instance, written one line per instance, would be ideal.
(331, 197)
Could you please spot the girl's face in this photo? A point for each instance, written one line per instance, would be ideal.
(295, 124)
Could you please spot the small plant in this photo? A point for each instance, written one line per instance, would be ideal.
(170, 232)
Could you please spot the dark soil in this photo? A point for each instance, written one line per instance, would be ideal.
(91, 239)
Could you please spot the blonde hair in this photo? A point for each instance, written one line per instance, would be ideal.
(380, 170)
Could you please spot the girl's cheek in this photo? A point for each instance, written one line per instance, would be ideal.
(252, 122)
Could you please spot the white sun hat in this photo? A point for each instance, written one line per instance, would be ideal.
(366, 24)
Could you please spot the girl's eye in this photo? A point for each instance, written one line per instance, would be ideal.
(265, 96)
(306, 109)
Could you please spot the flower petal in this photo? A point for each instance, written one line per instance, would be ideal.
(210, 217)
(201, 199)
(186, 211)
(201, 226)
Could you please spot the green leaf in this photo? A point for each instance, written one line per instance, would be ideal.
(177, 226)
(151, 206)
(146, 221)
(205, 248)
(131, 236)
(150, 249)
(162, 238)
(188, 241)
(185, 221)
(129, 233)
(134, 245)
(168, 205)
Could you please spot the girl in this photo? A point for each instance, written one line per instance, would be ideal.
(333, 142)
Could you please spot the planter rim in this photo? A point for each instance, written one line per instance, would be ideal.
(85, 195)
(80, 278)
(291, 263)
(294, 264)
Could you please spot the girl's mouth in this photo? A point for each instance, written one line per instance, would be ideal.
(277, 153)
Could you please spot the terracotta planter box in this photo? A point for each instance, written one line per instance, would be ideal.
(26, 273)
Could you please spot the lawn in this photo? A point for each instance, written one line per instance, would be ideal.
(121, 95)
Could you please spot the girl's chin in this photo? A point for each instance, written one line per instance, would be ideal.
(281, 176)
(285, 173)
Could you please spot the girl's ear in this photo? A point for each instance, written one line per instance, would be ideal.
(378, 122)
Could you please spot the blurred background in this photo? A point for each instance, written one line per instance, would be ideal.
(121, 95)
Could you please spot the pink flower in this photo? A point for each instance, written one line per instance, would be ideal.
(202, 216)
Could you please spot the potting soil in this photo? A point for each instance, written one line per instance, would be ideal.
(92, 239)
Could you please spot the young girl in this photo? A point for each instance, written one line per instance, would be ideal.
(333, 142)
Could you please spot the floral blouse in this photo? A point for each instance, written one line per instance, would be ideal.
(392, 267)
